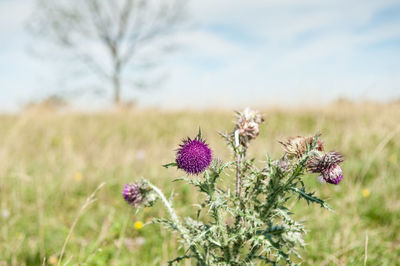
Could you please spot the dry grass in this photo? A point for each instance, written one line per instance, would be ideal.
(50, 163)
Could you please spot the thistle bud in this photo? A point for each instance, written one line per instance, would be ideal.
(138, 194)
(327, 166)
(283, 164)
(247, 125)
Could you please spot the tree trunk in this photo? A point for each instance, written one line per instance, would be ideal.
(116, 78)
(117, 89)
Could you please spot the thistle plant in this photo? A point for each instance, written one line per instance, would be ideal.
(246, 220)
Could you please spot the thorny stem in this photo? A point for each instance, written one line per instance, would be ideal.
(280, 188)
(177, 222)
(285, 187)
(239, 157)
(226, 249)
(238, 181)
(217, 215)
(238, 162)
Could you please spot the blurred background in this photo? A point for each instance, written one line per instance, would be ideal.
(104, 90)
(199, 54)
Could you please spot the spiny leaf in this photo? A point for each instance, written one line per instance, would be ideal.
(309, 197)
(180, 258)
(170, 165)
(199, 134)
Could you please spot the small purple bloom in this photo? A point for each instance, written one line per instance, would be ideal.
(132, 194)
(334, 176)
(193, 156)
(328, 166)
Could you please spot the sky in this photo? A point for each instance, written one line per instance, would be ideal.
(238, 53)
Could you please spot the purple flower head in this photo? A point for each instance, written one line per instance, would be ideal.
(193, 156)
(334, 176)
(133, 194)
(328, 166)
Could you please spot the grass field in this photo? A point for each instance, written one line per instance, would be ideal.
(51, 163)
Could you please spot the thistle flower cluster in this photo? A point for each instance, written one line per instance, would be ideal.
(255, 223)
(327, 165)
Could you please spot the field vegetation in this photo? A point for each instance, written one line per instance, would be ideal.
(50, 163)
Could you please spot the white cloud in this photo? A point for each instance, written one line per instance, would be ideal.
(207, 44)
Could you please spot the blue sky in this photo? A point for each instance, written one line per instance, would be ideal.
(242, 52)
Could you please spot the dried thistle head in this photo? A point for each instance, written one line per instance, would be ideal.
(247, 125)
(297, 146)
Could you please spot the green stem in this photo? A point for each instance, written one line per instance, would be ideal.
(238, 175)
(238, 162)
(227, 251)
(182, 230)
(240, 154)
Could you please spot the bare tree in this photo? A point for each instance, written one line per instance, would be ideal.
(118, 29)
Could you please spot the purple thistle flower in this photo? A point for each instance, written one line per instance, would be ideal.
(133, 195)
(328, 166)
(193, 156)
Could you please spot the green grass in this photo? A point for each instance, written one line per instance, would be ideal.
(41, 152)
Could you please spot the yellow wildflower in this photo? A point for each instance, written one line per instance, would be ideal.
(53, 260)
(365, 193)
(138, 225)
(78, 176)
